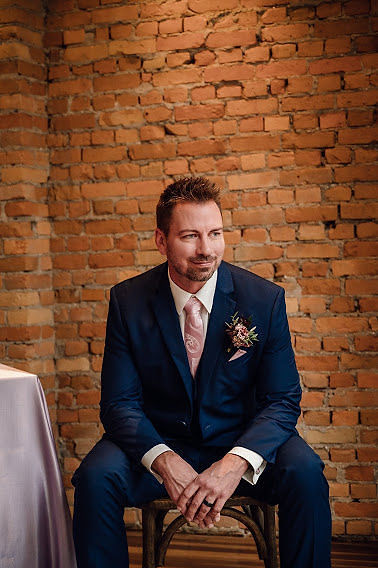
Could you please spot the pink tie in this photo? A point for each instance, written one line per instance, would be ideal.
(193, 333)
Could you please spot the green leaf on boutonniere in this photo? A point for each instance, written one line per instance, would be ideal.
(240, 332)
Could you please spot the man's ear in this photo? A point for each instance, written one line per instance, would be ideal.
(161, 241)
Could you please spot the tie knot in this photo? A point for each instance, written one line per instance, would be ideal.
(192, 306)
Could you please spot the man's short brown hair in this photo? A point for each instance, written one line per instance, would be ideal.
(190, 189)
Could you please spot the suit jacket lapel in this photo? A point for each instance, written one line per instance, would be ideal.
(166, 315)
(222, 310)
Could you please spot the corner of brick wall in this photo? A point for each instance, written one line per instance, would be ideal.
(275, 102)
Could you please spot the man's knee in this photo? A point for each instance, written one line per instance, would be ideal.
(105, 465)
(302, 469)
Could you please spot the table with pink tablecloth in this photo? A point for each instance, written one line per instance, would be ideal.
(35, 522)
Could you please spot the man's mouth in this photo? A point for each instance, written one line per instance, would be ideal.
(203, 262)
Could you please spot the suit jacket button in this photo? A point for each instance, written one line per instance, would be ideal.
(182, 423)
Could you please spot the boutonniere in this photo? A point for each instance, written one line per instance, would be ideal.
(240, 332)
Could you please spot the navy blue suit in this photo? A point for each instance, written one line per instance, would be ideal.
(149, 397)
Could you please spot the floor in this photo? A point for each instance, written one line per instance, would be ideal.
(204, 551)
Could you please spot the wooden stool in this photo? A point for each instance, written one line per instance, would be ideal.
(258, 518)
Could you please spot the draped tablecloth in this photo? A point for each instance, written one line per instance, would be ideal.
(35, 522)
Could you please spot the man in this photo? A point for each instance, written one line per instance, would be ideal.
(197, 400)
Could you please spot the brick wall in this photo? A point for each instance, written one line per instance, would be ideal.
(26, 294)
(272, 100)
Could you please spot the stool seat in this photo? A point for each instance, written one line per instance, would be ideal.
(258, 518)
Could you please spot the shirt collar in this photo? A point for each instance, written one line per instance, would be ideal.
(204, 294)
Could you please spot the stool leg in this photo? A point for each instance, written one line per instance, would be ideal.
(149, 538)
(270, 536)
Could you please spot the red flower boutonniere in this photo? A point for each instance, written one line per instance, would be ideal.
(240, 332)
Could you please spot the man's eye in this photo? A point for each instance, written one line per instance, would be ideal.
(216, 233)
(190, 236)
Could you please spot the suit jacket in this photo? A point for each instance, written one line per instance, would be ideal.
(148, 394)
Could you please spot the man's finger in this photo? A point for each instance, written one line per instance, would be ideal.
(186, 496)
(205, 515)
(204, 508)
(213, 516)
(196, 504)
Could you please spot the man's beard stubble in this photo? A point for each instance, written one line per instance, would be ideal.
(200, 274)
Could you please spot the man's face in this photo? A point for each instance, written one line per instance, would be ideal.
(194, 246)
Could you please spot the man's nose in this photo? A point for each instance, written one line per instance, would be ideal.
(203, 246)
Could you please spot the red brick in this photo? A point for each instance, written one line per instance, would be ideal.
(342, 455)
(312, 251)
(273, 15)
(313, 102)
(186, 40)
(254, 124)
(204, 58)
(317, 363)
(368, 304)
(269, 216)
(365, 155)
(356, 509)
(285, 32)
(176, 77)
(255, 142)
(313, 140)
(246, 181)
(177, 59)
(110, 259)
(159, 114)
(150, 187)
(305, 214)
(195, 23)
(255, 88)
(228, 73)
(146, 29)
(344, 417)
(119, 14)
(199, 7)
(353, 267)
(199, 112)
(152, 132)
(256, 54)
(317, 418)
(360, 249)
(276, 123)
(358, 361)
(280, 196)
(200, 147)
(347, 324)
(338, 45)
(301, 176)
(320, 286)
(150, 151)
(359, 473)
(258, 252)
(283, 51)
(255, 235)
(231, 39)
(126, 81)
(311, 232)
(171, 26)
(335, 65)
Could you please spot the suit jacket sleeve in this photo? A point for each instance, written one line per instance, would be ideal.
(278, 391)
(122, 413)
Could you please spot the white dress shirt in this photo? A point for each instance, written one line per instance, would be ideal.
(206, 296)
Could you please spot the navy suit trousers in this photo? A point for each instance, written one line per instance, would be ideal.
(107, 482)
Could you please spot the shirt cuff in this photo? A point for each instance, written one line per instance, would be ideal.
(256, 462)
(151, 455)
